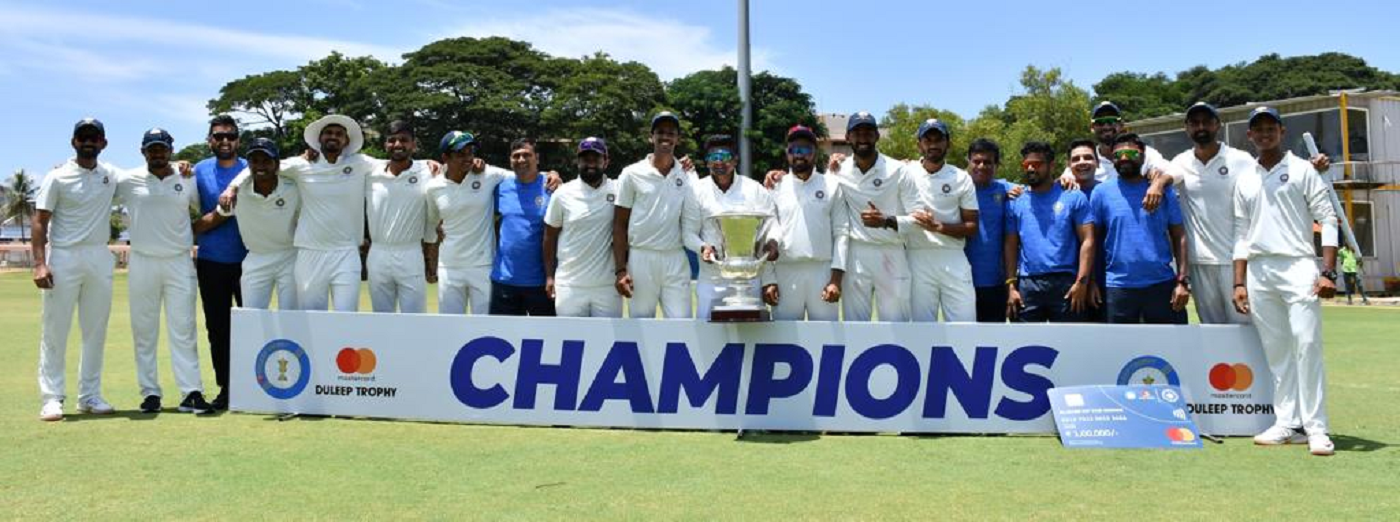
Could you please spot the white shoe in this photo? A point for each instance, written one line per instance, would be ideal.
(96, 405)
(1278, 436)
(1321, 445)
(52, 411)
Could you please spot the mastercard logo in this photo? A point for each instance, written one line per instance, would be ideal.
(1181, 435)
(1227, 377)
(356, 360)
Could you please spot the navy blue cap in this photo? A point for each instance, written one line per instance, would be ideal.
(800, 131)
(665, 116)
(1103, 107)
(592, 144)
(861, 118)
(1264, 111)
(1202, 106)
(265, 146)
(933, 124)
(455, 141)
(86, 123)
(157, 136)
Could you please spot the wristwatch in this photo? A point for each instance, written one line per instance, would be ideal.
(1330, 275)
(1184, 281)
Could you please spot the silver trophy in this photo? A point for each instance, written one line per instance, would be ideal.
(740, 257)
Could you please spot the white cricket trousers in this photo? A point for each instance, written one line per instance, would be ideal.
(168, 282)
(459, 287)
(587, 301)
(326, 277)
(82, 281)
(941, 281)
(1213, 290)
(1288, 317)
(877, 278)
(800, 286)
(659, 277)
(266, 273)
(396, 278)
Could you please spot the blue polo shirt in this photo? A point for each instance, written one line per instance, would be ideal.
(520, 256)
(1047, 224)
(221, 244)
(984, 249)
(1137, 251)
(1099, 272)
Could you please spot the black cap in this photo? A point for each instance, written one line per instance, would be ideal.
(86, 123)
(1105, 107)
(665, 116)
(265, 146)
(157, 136)
(1264, 112)
(861, 118)
(1202, 106)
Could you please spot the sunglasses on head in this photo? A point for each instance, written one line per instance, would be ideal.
(1107, 120)
(224, 136)
(719, 156)
(800, 150)
(1131, 154)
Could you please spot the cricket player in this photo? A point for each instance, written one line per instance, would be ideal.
(940, 202)
(1277, 281)
(220, 250)
(267, 220)
(1049, 245)
(657, 214)
(812, 234)
(1140, 245)
(1083, 162)
(877, 269)
(402, 230)
(985, 248)
(463, 199)
(1106, 124)
(723, 191)
(73, 269)
(160, 202)
(578, 239)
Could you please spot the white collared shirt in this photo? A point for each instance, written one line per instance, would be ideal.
(1275, 210)
(880, 185)
(468, 214)
(398, 207)
(268, 223)
(80, 201)
(332, 199)
(160, 209)
(1206, 192)
(812, 220)
(665, 215)
(945, 194)
(584, 215)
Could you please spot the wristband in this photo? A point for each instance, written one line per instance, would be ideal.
(619, 271)
(1010, 281)
(219, 209)
(1239, 285)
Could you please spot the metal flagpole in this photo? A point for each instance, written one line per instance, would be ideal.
(745, 91)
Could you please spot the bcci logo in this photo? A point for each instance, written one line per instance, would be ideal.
(1148, 370)
(283, 369)
(539, 201)
(179, 187)
(412, 180)
(1224, 171)
(105, 180)
(996, 198)
(947, 188)
(1283, 178)
(281, 202)
(878, 182)
(820, 194)
(347, 170)
(611, 198)
(1059, 207)
(679, 182)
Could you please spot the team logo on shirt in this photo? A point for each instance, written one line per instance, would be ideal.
(996, 198)
(1283, 178)
(179, 187)
(280, 202)
(820, 194)
(539, 200)
(679, 182)
(878, 182)
(1224, 171)
(412, 180)
(476, 185)
(347, 170)
(104, 180)
(947, 188)
(1059, 207)
(611, 198)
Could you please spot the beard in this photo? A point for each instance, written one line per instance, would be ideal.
(590, 175)
(87, 153)
(1128, 168)
(1203, 137)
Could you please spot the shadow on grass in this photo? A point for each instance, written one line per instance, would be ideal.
(136, 415)
(1358, 444)
(776, 437)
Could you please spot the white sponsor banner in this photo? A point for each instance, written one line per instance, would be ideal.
(877, 377)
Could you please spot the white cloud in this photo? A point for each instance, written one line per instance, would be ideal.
(671, 48)
(77, 62)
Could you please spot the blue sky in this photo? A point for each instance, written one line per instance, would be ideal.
(138, 64)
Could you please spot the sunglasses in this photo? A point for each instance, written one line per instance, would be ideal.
(719, 156)
(799, 150)
(224, 136)
(1131, 154)
(1107, 120)
(1032, 164)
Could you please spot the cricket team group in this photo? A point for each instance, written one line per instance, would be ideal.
(1122, 235)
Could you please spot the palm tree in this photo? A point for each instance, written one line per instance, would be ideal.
(20, 206)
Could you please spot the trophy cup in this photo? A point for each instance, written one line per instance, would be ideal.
(740, 258)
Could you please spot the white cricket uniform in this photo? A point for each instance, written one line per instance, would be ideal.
(876, 264)
(812, 240)
(330, 229)
(1106, 171)
(399, 223)
(468, 214)
(161, 274)
(744, 194)
(1274, 214)
(665, 218)
(80, 203)
(584, 268)
(941, 277)
(267, 225)
(1206, 192)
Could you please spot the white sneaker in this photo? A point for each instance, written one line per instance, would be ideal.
(96, 405)
(1321, 445)
(52, 411)
(1278, 436)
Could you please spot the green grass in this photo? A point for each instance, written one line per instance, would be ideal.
(235, 466)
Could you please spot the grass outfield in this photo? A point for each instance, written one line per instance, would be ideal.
(129, 465)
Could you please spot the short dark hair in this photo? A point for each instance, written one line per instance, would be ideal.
(1132, 138)
(987, 146)
(1082, 142)
(222, 120)
(399, 127)
(719, 140)
(1038, 147)
(520, 143)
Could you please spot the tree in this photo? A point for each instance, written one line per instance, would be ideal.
(194, 152)
(708, 103)
(20, 204)
(1139, 94)
(901, 123)
(271, 98)
(600, 97)
(1051, 109)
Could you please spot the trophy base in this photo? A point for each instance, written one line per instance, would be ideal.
(739, 315)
